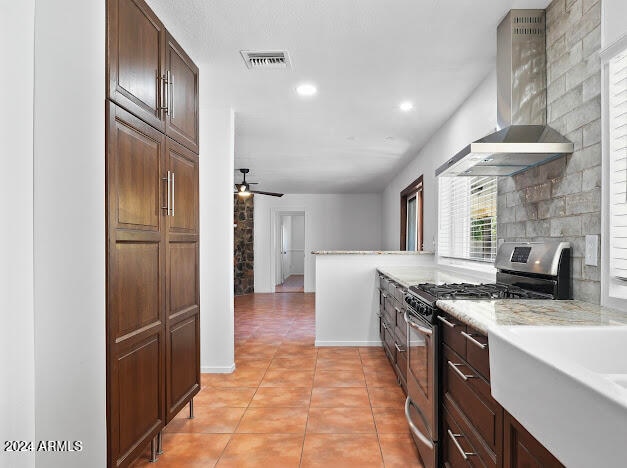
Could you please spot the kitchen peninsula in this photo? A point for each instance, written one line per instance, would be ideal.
(347, 298)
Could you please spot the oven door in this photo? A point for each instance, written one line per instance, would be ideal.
(421, 408)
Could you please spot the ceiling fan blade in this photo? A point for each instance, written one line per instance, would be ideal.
(272, 194)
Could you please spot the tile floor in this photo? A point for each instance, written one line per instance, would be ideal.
(293, 283)
(289, 404)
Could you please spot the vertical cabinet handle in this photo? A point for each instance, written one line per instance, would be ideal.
(165, 94)
(172, 209)
(170, 85)
(168, 193)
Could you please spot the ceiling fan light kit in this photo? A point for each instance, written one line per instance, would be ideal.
(243, 189)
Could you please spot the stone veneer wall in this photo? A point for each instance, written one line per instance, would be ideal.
(244, 256)
(562, 199)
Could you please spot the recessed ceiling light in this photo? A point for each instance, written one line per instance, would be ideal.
(351, 138)
(389, 138)
(306, 89)
(406, 106)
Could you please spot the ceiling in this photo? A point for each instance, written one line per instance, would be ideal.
(365, 57)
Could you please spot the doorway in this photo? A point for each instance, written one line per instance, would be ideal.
(290, 252)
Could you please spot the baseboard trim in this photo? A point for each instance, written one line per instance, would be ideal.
(217, 370)
(321, 344)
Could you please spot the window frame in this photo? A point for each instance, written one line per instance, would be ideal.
(607, 299)
(416, 188)
(457, 257)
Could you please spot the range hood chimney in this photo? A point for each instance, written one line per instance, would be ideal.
(524, 139)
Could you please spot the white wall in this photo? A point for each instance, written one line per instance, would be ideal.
(613, 27)
(350, 319)
(69, 223)
(332, 222)
(475, 118)
(216, 233)
(17, 359)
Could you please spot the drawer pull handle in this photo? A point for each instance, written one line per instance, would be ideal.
(398, 348)
(470, 338)
(446, 322)
(458, 372)
(462, 452)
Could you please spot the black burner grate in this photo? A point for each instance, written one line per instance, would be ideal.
(477, 291)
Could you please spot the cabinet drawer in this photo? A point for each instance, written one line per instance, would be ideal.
(401, 326)
(471, 394)
(457, 448)
(477, 353)
(452, 330)
(388, 341)
(383, 283)
(392, 308)
(401, 360)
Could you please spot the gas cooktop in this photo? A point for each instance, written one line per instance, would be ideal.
(432, 292)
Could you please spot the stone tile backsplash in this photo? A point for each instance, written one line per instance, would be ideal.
(562, 199)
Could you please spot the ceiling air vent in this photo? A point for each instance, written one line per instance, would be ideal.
(266, 59)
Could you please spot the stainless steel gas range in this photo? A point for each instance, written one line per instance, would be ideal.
(524, 271)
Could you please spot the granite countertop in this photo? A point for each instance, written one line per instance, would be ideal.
(483, 314)
(407, 276)
(369, 252)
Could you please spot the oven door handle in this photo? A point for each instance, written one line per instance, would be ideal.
(424, 439)
(411, 323)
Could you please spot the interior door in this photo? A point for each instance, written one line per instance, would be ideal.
(135, 284)
(183, 284)
(285, 267)
(182, 96)
(136, 59)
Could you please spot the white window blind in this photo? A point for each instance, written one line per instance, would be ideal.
(467, 218)
(618, 164)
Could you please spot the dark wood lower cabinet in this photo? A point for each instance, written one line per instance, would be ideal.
(392, 326)
(522, 450)
(477, 431)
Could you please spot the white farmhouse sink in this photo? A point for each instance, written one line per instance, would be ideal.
(567, 386)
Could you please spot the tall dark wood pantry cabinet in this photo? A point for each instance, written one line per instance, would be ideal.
(153, 300)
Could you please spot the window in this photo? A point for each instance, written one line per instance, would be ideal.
(411, 216)
(467, 218)
(617, 155)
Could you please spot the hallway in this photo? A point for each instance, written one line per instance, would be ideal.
(289, 404)
(292, 284)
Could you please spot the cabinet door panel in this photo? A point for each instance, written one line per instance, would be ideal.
(138, 387)
(136, 152)
(183, 277)
(135, 289)
(138, 179)
(182, 115)
(183, 375)
(184, 166)
(522, 450)
(136, 59)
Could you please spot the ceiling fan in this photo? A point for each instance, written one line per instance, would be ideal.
(243, 189)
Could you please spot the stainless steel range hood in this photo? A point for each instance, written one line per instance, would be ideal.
(524, 140)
